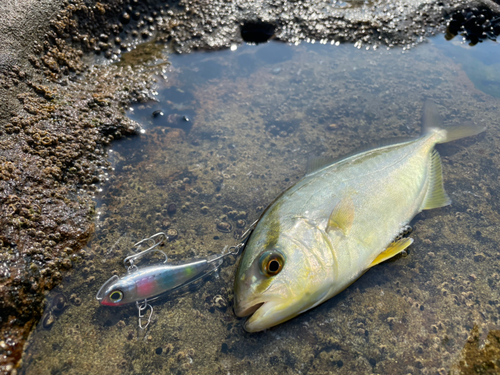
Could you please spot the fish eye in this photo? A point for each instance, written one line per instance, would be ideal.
(116, 296)
(271, 263)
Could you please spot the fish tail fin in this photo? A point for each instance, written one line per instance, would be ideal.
(432, 124)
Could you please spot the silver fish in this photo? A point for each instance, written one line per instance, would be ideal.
(339, 220)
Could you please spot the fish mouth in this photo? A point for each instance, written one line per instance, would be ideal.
(262, 315)
(242, 311)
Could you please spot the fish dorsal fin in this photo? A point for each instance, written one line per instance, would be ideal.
(435, 196)
(393, 249)
(342, 216)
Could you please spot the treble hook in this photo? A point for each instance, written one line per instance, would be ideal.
(142, 315)
(130, 259)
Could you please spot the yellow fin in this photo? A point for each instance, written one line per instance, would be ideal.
(342, 216)
(435, 196)
(393, 249)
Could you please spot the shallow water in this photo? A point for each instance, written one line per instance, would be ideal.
(230, 131)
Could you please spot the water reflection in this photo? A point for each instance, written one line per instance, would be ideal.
(235, 129)
(480, 63)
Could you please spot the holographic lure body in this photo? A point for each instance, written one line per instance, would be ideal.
(149, 283)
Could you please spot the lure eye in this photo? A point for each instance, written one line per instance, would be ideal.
(116, 296)
(272, 263)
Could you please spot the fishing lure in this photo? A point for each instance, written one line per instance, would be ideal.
(144, 285)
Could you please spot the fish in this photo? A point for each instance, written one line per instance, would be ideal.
(342, 218)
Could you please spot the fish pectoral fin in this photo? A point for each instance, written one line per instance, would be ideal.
(435, 196)
(393, 249)
(342, 216)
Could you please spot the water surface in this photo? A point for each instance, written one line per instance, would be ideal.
(232, 129)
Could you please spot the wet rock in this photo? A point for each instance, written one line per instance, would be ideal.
(474, 24)
(477, 356)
